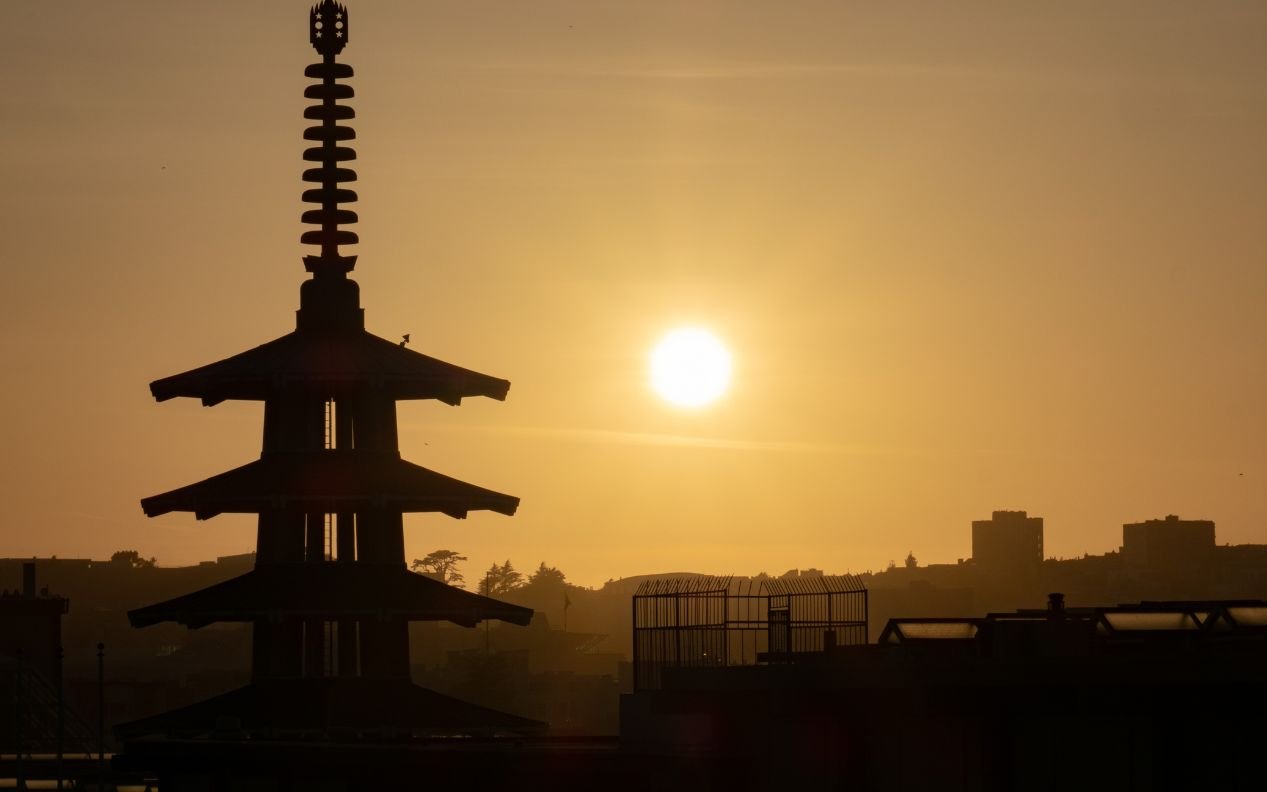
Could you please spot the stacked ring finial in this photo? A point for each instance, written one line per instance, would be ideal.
(328, 33)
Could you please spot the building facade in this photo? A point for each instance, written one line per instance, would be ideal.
(1007, 540)
(1169, 543)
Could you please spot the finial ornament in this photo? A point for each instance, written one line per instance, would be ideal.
(328, 27)
(329, 34)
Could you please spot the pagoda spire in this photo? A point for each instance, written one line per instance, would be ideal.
(330, 300)
(328, 32)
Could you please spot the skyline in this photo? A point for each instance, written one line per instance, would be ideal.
(870, 210)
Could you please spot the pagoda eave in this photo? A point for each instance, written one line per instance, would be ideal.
(329, 590)
(329, 363)
(329, 481)
(333, 705)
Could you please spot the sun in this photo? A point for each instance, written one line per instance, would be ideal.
(690, 367)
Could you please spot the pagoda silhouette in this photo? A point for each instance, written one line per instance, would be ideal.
(330, 598)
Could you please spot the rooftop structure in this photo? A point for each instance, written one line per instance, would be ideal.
(330, 597)
(1137, 696)
(31, 625)
(1087, 631)
(37, 719)
(723, 621)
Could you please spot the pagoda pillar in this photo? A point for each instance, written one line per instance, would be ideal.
(345, 527)
(314, 626)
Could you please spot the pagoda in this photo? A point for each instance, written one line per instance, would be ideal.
(330, 598)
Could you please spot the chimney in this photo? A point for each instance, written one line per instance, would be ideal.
(1056, 603)
(28, 579)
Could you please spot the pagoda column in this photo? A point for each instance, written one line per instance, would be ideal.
(345, 526)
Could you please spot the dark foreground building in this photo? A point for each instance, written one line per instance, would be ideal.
(1157, 695)
(330, 597)
(30, 666)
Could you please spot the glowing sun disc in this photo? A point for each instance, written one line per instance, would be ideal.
(690, 367)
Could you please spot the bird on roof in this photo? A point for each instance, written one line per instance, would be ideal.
(404, 339)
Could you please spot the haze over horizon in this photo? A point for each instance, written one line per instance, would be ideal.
(965, 258)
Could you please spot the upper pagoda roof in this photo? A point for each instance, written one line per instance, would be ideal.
(331, 362)
(329, 481)
(329, 590)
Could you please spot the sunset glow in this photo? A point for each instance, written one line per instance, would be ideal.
(690, 368)
(963, 259)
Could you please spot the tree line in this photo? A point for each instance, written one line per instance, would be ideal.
(498, 580)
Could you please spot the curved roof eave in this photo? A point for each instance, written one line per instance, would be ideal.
(329, 590)
(329, 362)
(329, 481)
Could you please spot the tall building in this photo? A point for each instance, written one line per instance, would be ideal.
(1007, 540)
(1168, 543)
(330, 598)
(31, 628)
(30, 667)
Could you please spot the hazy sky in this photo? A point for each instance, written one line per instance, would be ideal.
(967, 256)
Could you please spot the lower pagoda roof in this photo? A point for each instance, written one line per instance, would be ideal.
(333, 706)
(329, 361)
(329, 481)
(329, 590)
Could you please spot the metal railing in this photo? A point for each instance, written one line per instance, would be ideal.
(43, 724)
(726, 621)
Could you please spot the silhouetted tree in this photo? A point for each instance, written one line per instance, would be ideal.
(132, 559)
(911, 563)
(443, 563)
(500, 579)
(547, 576)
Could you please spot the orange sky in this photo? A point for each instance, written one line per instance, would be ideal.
(967, 256)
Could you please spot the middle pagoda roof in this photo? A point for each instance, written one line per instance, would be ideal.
(329, 362)
(329, 481)
(330, 590)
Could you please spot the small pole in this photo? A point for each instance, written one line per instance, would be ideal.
(488, 592)
(61, 713)
(101, 716)
(634, 621)
(17, 733)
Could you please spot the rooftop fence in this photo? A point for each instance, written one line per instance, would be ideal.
(727, 621)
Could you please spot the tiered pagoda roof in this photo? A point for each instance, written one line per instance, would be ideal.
(329, 590)
(329, 481)
(332, 362)
(355, 707)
